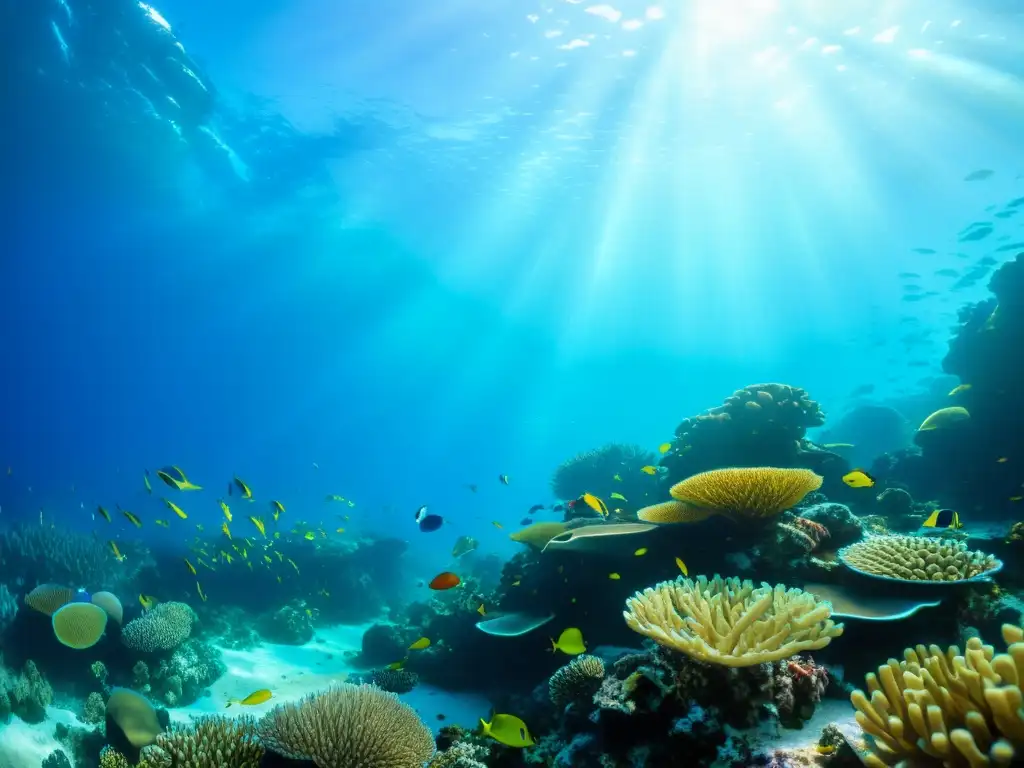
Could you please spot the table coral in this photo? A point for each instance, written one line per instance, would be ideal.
(918, 558)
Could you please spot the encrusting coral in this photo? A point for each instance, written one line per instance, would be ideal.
(918, 558)
(731, 622)
(579, 679)
(348, 725)
(741, 493)
(946, 709)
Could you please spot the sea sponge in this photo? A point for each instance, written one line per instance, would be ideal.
(538, 534)
(579, 679)
(208, 742)
(48, 598)
(79, 625)
(944, 418)
(109, 602)
(348, 725)
(731, 622)
(741, 493)
(164, 628)
(134, 715)
(918, 558)
(944, 709)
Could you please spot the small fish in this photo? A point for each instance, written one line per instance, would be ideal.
(649, 470)
(293, 565)
(959, 388)
(256, 697)
(1002, 460)
(199, 590)
(682, 566)
(824, 749)
(617, 477)
(278, 508)
(191, 568)
(309, 536)
(162, 523)
(174, 477)
(132, 518)
(258, 522)
(444, 580)
(858, 478)
(115, 550)
(340, 530)
(147, 601)
(225, 509)
(426, 521)
(508, 730)
(267, 559)
(334, 497)
(535, 508)
(526, 521)
(497, 525)
(398, 664)
(419, 645)
(617, 495)
(595, 504)
(226, 556)
(943, 518)
(1016, 498)
(641, 552)
(243, 489)
(664, 447)
(570, 642)
(614, 576)
(103, 513)
(503, 479)
(837, 446)
(472, 487)
(175, 509)
(481, 610)
(145, 479)
(225, 530)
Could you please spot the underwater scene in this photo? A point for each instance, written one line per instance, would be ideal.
(506, 383)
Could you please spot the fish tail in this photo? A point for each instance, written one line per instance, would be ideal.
(485, 726)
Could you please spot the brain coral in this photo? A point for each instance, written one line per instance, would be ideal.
(578, 679)
(918, 558)
(162, 629)
(79, 625)
(348, 725)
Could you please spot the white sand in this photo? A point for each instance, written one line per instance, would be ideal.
(26, 746)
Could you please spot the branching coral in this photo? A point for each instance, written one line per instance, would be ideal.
(164, 628)
(731, 622)
(579, 679)
(916, 558)
(209, 742)
(946, 709)
(349, 725)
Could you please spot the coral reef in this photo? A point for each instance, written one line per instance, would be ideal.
(731, 622)
(94, 710)
(164, 628)
(208, 742)
(181, 679)
(291, 624)
(917, 558)
(26, 695)
(8, 608)
(384, 643)
(596, 472)
(843, 526)
(579, 679)
(394, 680)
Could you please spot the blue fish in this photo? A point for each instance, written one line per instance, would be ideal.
(426, 521)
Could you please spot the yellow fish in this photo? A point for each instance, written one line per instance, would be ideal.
(481, 610)
(664, 447)
(162, 523)
(420, 644)
(340, 530)
(497, 525)
(858, 478)
(280, 557)
(243, 489)
(174, 477)
(132, 518)
(508, 730)
(225, 509)
(256, 697)
(617, 495)
(825, 749)
(641, 552)
(309, 536)
(649, 470)
(116, 551)
(1002, 460)
(259, 525)
(267, 559)
(682, 566)
(191, 568)
(334, 497)
(350, 503)
(293, 565)
(199, 589)
(147, 601)
(1016, 498)
(570, 642)
(103, 513)
(595, 504)
(398, 664)
(224, 528)
(958, 389)
(614, 576)
(617, 478)
(227, 556)
(278, 508)
(175, 509)
(145, 479)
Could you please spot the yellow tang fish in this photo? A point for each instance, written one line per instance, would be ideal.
(175, 509)
(682, 566)
(224, 528)
(162, 523)
(256, 697)
(103, 513)
(617, 495)
(858, 478)
(595, 504)
(225, 509)
(132, 518)
(191, 568)
(570, 642)
(398, 664)
(419, 645)
(649, 470)
(147, 601)
(508, 730)
(199, 589)
(664, 447)
(116, 551)
(481, 610)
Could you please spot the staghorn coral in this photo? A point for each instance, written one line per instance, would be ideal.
(730, 622)
(946, 709)
(916, 558)
(348, 725)
(748, 494)
(394, 680)
(164, 628)
(579, 679)
(208, 742)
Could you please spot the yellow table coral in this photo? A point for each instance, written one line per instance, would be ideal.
(731, 622)
(944, 709)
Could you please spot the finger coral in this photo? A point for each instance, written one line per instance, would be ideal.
(578, 679)
(209, 742)
(918, 558)
(164, 628)
(946, 709)
(348, 725)
(742, 493)
(731, 622)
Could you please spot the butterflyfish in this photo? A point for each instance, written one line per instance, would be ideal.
(256, 697)
(309, 536)
(595, 504)
(243, 489)
(570, 642)
(508, 730)
(858, 478)
(133, 519)
(427, 521)
(664, 447)
(147, 601)
(175, 509)
(649, 470)
(419, 645)
(943, 518)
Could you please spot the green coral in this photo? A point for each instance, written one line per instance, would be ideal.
(111, 758)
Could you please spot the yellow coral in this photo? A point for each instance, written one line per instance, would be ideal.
(944, 709)
(79, 625)
(673, 512)
(730, 622)
(916, 558)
